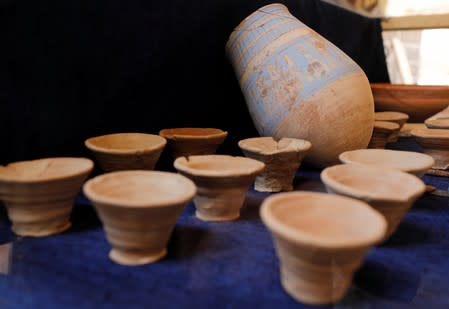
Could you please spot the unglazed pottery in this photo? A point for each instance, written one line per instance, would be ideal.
(126, 151)
(396, 117)
(435, 143)
(419, 102)
(298, 84)
(139, 210)
(382, 133)
(39, 194)
(222, 183)
(282, 159)
(320, 240)
(407, 161)
(389, 191)
(193, 141)
(439, 120)
(407, 128)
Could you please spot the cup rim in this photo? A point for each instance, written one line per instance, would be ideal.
(245, 145)
(206, 133)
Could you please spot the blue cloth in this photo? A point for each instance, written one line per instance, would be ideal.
(222, 265)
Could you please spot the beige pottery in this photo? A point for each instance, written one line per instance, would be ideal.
(139, 210)
(39, 194)
(382, 133)
(435, 143)
(320, 240)
(396, 117)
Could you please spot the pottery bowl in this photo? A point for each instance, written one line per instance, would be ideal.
(383, 132)
(407, 161)
(222, 183)
(139, 210)
(419, 102)
(126, 151)
(389, 191)
(396, 117)
(320, 240)
(39, 194)
(435, 143)
(193, 141)
(282, 159)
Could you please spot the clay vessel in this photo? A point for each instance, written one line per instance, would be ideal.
(139, 210)
(389, 191)
(396, 117)
(282, 159)
(419, 102)
(435, 143)
(439, 120)
(126, 151)
(39, 194)
(297, 84)
(382, 133)
(406, 130)
(222, 183)
(320, 241)
(193, 141)
(411, 162)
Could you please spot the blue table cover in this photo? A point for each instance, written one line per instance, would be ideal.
(221, 265)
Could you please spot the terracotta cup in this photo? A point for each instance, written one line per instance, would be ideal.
(139, 210)
(193, 141)
(282, 159)
(435, 143)
(126, 151)
(396, 117)
(390, 191)
(382, 133)
(407, 161)
(320, 240)
(439, 120)
(222, 183)
(39, 194)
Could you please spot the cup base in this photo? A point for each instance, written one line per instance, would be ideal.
(40, 230)
(223, 217)
(131, 259)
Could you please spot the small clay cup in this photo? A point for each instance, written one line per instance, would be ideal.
(439, 120)
(389, 191)
(222, 183)
(126, 151)
(193, 141)
(396, 117)
(407, 161)
(139, 210)
(282, 159)
(39, 194)
(320, 240)
(382, 133)
(435, 143)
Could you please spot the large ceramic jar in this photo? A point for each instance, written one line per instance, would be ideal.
(298, 84)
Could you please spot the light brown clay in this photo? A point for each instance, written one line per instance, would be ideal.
(389, 191)
(282, 159)
(435, 143)
(193, 141)
(126, 151)
(320, 240)
(407, 128)
(222, 183)
(396, 117)
(139, 210)
(382, 133)
(439, 120)
(419, 102)
(39, 194)
(407, 161)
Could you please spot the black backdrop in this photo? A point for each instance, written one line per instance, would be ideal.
(74, 69)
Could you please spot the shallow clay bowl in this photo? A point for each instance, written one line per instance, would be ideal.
(222, 183)
(320, 240)
(126, 151)
(390, 191)
(407, 161)
(383, 132)
(419, 102)
(282, 159)
(396, 117)
(435, 143)
(39, 194)
(193, 141)
(139, 210)
(439, 120)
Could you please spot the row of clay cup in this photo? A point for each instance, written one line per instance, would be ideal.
(386, 128)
